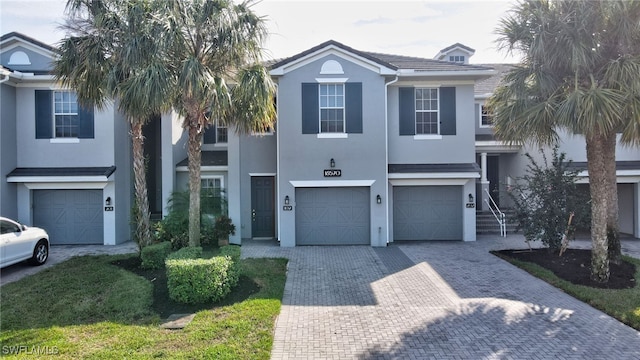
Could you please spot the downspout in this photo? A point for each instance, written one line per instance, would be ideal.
(386, 150)
(6, 74)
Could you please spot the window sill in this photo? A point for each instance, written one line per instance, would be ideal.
(486, 126)
(333, 136)
(427, 137)
(64, 141)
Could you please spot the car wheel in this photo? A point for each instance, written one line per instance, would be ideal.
(40, 253)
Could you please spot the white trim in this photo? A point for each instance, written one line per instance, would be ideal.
(337, 51)
(64, 140)
(619, 173)
(436, 175)
(262, 174)
(386, 154)
(427, 182)
(427, 137)
(332, 80)
(432, 83)
(333, 136)
(331, 183)
(20, 57)
(57, 179)
(204, 168)
(65, 185)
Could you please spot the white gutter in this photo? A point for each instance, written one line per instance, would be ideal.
(386, 150)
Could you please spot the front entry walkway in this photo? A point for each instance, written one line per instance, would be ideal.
(440, 300)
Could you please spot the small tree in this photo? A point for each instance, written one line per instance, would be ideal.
(545, 197)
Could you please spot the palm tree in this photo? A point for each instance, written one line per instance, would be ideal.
(208, 45)
(578, 74)
(111, 52)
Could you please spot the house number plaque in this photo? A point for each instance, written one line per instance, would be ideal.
(333, 173)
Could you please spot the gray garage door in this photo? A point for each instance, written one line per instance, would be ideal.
(332, 216)
(427, 213)
(69, 216)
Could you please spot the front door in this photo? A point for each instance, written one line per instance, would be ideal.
(262, 207)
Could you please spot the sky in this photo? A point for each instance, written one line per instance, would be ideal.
(411, 28)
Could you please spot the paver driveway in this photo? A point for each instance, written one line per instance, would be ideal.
(441, 300)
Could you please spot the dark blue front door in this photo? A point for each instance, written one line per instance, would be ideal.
(262, 207)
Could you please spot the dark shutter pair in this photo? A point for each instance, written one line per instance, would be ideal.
(352, 108)
(44, 117)
(447, 104)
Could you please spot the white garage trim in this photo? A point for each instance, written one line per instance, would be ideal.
(332, 183)
(65, 185)
(55, 179)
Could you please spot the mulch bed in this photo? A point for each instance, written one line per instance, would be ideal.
(164, 306)
(575, 266)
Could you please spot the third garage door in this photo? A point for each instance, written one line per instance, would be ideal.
(332, 216)
(427, 213)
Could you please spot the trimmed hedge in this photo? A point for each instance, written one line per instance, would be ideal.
(153, 256)
(191, 280)
(189, 252)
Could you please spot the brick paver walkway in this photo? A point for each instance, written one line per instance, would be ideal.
(440, 300)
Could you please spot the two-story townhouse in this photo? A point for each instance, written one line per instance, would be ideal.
(502, 163)
(63, 167)
(369, 148)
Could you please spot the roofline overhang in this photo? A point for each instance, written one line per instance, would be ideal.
(204, 168)
(57, 179)
(496, 147)
(477, 74)
(436, 175)
(332, 49)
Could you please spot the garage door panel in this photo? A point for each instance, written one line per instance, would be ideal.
(70, 216)
(427, 213)
(332, 216)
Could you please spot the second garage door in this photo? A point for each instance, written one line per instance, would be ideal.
(69, 216)
(332, 216)
(427, 213)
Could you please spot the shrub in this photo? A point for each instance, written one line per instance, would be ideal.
(175, 226)
(223, 228)
(545, 197)
(194, 281)
(189, 252)
(153, 256)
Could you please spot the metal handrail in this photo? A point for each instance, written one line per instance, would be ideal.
(500, 216)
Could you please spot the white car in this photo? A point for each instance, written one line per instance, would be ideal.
(19, 242)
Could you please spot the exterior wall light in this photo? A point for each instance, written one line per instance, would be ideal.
(378, 199)
(286, 200)
(107, 202)
(470, 198)
(332, 163)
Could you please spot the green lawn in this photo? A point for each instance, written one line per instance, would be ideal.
(88, 308)
(622, 304)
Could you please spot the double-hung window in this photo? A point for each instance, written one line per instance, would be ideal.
(221, 134)
(331, 108)
(65, 113)
(427, 113)
(486, 118)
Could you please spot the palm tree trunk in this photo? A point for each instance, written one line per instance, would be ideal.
(195, 155)
(598, 153)
(143, 231)
(613, 231)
